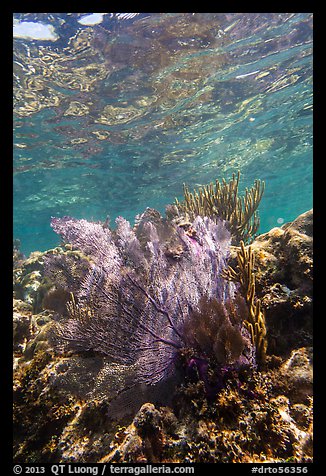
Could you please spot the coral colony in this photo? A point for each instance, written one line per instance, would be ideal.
(158, 298)
(221, 201)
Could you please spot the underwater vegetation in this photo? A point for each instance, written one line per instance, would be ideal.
(222, 202)
(163, 321)
(154, 300)
(246, 277)
(218, 405)
(157, 297)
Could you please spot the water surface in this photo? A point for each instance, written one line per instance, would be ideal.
(114, 116)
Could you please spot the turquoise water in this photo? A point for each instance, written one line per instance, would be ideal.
(114, 117)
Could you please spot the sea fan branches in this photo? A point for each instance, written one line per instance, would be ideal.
(139, 303)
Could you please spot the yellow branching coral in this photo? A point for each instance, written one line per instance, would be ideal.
(222, 201)
(246, 277)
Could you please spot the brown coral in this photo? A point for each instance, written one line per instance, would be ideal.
(215, 329)
(256, 318)
(222, 201)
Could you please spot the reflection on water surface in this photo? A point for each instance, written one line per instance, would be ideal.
(114, 112)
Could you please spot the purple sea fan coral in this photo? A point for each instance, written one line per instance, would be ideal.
(139, 304)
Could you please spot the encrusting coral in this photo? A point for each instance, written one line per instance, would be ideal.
(222, 202)
(246, 277)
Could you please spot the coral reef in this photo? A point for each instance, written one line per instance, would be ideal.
(246, 277)
(140, 305)
(18, 256)
(33, 285)
(248, 423)
(284, 283)
(222, 202)
(63, 401)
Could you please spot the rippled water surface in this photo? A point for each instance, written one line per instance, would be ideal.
(113, 117)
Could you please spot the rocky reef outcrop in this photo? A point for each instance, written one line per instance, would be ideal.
(61, 401)
(284, 279)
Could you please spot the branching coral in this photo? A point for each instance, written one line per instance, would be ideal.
(222, 202)
(246, 277)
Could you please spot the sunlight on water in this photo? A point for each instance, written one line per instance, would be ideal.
(114, 112)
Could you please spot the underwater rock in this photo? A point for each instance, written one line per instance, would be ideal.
(53, 418)
(297, 372)
(18, 256)
(284, 283)
(284, 254)
(22, 332)
(28, 280)
(253, 422)
(34, 286)
(143, 441)
(30, 331)
(31, 286)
